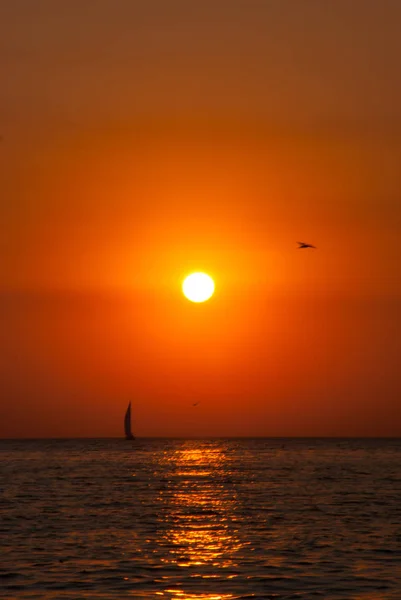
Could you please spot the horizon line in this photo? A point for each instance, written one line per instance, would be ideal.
(213, 437)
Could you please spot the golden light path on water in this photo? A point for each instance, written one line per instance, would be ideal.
(183, 596)
(200, 509)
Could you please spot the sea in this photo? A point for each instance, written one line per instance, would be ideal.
(200, 519)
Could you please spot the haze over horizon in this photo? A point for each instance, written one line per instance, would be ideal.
(144, 140)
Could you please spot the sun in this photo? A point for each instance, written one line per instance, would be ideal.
(198, 287)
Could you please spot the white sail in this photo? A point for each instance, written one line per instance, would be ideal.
(127, 424)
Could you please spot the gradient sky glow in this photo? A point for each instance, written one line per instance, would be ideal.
(145, 139)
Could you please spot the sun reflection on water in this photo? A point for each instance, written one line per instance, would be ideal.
(198, 519)
(184, 596)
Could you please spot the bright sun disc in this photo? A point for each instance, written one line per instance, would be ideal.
(198, 287)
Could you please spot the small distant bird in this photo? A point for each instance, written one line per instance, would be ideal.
(303, 245)
(195, 404)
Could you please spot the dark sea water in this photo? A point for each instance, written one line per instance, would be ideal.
(200, 519)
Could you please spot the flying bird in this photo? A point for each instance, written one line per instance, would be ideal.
(304, 245)
(195, 404)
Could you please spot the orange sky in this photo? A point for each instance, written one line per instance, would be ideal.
(145, 140)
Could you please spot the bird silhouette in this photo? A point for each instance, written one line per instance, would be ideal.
(195, 404)
(304, 245)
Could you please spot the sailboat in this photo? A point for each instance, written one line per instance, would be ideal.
(127, 424)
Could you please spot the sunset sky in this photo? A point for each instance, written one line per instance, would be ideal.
(142, 140)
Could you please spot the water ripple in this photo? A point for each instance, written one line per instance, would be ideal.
(201, 520)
